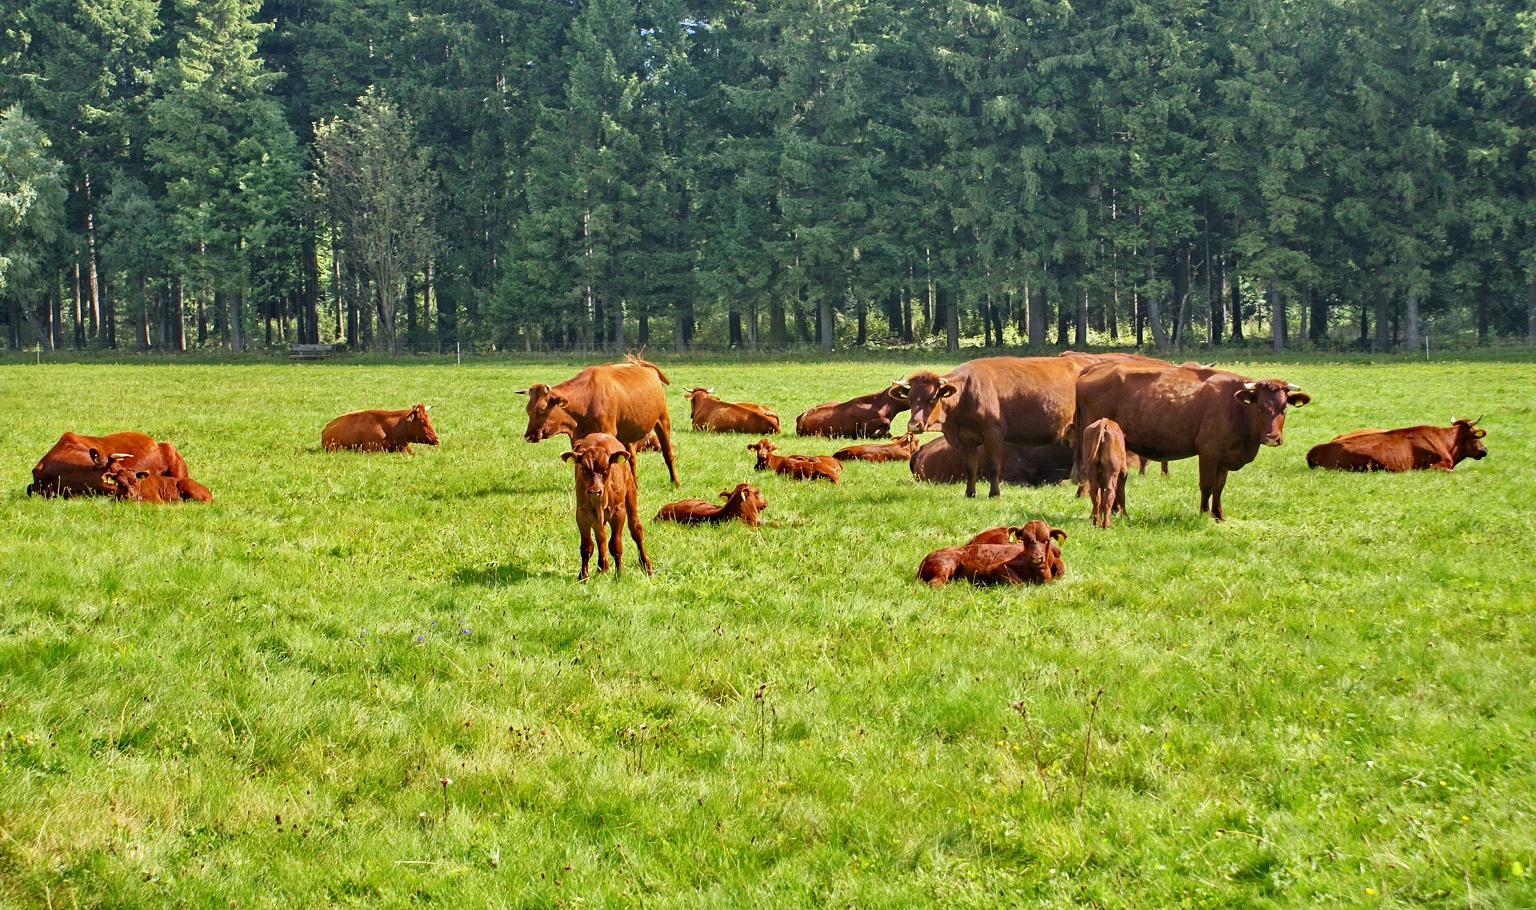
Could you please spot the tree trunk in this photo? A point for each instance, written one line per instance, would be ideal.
(733, 329)
(93, 279)
(1080, 338)
(1303, 309)
(1037, 321)
(1276, 315)
(645, 330)
(906, 314)
(824, 314)
(1154, 317)
(1183, 292)
(863, 333)
(1530, 309)
(677, 331)
(1218, 306)
(949, 301)
(618, 326)
(179, 323)
(236, 330)
(109, 317)
(1382, 341)
(1482, 308)
(1318, 325)
(778, 328)
(1237, 304)
(44, 339)
(79, 309)
(752, 326)
(1062, 319)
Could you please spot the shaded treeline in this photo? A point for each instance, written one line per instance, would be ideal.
(658, 172)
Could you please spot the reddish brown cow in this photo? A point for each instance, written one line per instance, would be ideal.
(744, 503)
(867, 416)
(898, 449)
(939, 462)
(1140, 464)
(625, 400)
(998, 400)
(800, 467)
(1034, 559)
(140, 486)
(717, 416)
(1406, 449)
(76, 464)
(380, 431)
(606, 496)
(1104, 458)
(1170, 412)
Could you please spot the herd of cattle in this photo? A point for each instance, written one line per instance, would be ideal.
(1032, 420)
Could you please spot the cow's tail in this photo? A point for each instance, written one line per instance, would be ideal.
(1075, 434)
(636, 361)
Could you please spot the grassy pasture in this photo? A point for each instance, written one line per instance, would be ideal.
(1328, 699)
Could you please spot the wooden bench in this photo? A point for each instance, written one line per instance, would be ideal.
(310, 351)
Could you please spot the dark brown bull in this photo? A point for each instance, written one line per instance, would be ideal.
(139, 486)
(1174, 412)
(1406, 449)
(625, 400)
(76, 464)
(380, 431)
(898, 449)
(745, 502)
(606, 497)
(1104, 460)
(717, 416)
(867, 416)
(1034, 559)
(800, 467)
(939, 462)
(994, 401)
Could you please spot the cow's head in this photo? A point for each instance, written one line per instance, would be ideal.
(120, 479)
(1039, 541)
(698, 395)
(1264, 403)
(418, 428)
(923, 392)
(763, 448)
(595, 457)
(749, 499)
(1469, 439)
(547, 415)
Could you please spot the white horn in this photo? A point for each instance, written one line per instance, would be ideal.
(901, 382)
(1250, 386)
(1292, 387)
(429, 407)
(709, 391)
(521, 392)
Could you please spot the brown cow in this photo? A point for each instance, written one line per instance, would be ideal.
(76, 464)
(998, 400)
(1140, 464)
(800, 467)
(625, 400)
(898, 449)
(140, 486)
(745, 503)
(1174, 412)
(939, 462)
(1406, 449)
(606, 496)
(380, 431)
(1104, 460)
(867, 416)
(717, 416)
(1034, 559)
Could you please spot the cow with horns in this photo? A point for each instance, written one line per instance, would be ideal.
(1406, 449)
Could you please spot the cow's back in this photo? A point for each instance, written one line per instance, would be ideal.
(352, 431)
(625, 400)
(1161, 409)
(1030, 399)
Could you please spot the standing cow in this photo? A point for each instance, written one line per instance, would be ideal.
(625, 400)
(1174, 412)
(996, 400)
(76, 464)
(1406, 449)
(380, 431)
(717, 416)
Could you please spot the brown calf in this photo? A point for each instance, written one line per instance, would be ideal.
(1104, 458)
(1407, 449)
(800, 467)
(717, 416)
(1034, 559)
(140, 486)
(898, 449)
(380, 431)
(745, 502)
(606, 496)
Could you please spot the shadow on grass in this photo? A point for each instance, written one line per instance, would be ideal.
(499, 576)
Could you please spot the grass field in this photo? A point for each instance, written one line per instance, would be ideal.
(1326, 700)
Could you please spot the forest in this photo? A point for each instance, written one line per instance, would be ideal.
(532, 175)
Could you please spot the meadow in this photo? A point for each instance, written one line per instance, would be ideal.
(374, 681)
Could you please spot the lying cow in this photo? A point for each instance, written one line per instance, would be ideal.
(800, 467)
(867, 416)
(1406, 449)
(141, 486)
(1104, 459)
(898, 449)
(380, 431)
(606, 497)
(1034, 558)
(939, 462)
(717, 416)
(745, 502)
(625, 400)
(76, 464)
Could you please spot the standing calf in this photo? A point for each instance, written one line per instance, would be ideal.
(1104, 457)
(605, 497)
(744, 502)
(800, 467)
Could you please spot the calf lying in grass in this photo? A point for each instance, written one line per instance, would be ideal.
(1034, 558)
(800, 467)
(745, 503)
(606, 497)
(898, 449)
(141, 486)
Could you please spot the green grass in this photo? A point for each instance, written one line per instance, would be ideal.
(1326, 700)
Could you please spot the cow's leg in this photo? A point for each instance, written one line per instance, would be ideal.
(972, 458)
(992, 449)
(664, 436)
(1216, 488)
(1207, 482)
(638, 533)
(586, 549)
(1120, 494)
(616, 542)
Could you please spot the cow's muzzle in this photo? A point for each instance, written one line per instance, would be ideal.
(915, 427)
(1273, 440)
